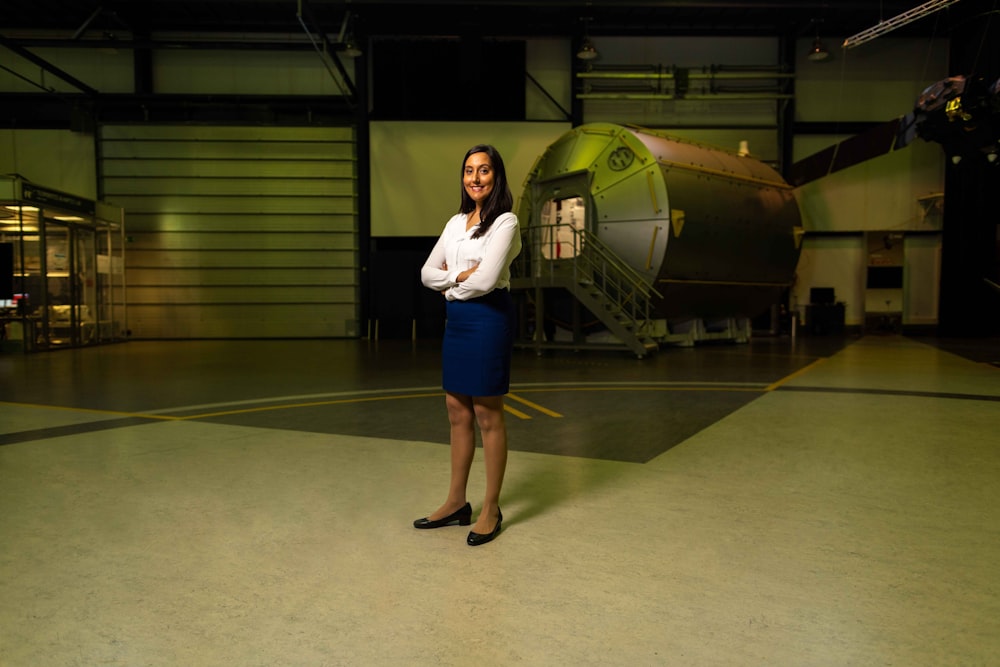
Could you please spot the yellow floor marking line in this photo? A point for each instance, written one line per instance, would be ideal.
(753, 389)
(536, 406)
(69, 408)
(367, 399)
(287, 406)
(341, 401)
(517, 413)
(775, 385)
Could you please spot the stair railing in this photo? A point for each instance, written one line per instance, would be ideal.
(590, 264)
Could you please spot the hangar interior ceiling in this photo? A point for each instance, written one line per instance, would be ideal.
(84, 22)
(453, 30)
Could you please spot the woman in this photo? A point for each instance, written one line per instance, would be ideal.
(470, 266)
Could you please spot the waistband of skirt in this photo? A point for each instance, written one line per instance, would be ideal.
(492, 295)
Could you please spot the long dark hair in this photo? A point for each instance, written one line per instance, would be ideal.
(500, 199)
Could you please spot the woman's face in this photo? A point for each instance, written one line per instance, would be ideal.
(478, 177)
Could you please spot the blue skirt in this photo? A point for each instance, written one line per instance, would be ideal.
(478, 340)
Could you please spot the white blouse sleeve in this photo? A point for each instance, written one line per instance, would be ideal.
(501, 247)
(431, 274)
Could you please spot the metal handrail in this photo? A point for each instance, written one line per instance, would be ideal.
(591, 263)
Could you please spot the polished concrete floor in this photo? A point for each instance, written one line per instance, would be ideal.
(822, 501)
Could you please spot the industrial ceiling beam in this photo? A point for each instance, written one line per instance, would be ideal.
(47, 66)
(326, 53)
(896, 22)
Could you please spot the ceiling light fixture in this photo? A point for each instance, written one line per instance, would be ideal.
(818, 52)
(351, 48)
(347, 38)
(587, 50)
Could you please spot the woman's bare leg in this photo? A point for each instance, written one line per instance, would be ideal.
(493, 428)
(461, 417)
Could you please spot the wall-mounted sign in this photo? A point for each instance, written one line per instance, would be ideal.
(44, 197)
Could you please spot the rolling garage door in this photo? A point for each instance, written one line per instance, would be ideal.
(236, 232)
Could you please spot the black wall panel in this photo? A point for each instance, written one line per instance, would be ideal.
(463, 80)
(6, 270)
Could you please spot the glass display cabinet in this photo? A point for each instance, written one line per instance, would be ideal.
(62, 269)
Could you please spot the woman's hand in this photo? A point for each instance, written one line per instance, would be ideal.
(465, 274)
(460, 277)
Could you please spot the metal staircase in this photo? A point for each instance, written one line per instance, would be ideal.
(561, 256)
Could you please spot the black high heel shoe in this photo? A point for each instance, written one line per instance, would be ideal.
(475, 539)
(463, 516)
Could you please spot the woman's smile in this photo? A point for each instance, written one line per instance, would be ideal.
(478, 177)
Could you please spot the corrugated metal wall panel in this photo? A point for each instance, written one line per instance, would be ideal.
(283, 277)
(204, 295)
(215, 186)
(222, 222)
(243, 241)
(216, 134)
(191, 321)
(165, 258)
(225, 150)
(248, 205)
(171, 168)
(237, 232)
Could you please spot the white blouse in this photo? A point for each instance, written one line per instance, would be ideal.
(494, 252)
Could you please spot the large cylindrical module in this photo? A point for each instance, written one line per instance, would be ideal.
(715, 232)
